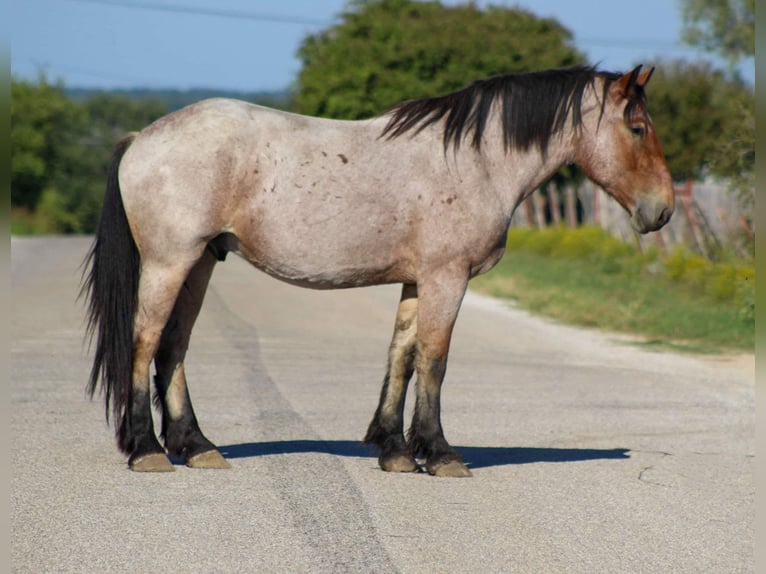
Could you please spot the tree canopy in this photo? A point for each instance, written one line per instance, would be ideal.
(694, 108)
(386, 51)
(727, 27)
(723, 26)
(60, 151)
(41, 119)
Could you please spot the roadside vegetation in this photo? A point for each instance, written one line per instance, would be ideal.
(586, 277)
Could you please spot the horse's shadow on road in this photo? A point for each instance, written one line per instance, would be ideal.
(474, 456)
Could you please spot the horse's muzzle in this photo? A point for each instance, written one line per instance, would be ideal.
(650, 216)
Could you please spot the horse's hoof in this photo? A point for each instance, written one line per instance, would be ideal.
(452, 469)
(153, 462)
(208, 459)
(399, 463)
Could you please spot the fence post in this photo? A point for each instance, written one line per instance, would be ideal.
(539, 204)
(553, 198)
(570, 206)
(596, 206)
(529, 212)
(691, 217)
(746, 227)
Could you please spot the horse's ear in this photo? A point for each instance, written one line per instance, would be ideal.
(643, 79)
(625, 85)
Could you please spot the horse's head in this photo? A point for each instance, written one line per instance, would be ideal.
(619, 150)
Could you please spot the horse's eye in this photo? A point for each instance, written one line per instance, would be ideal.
(637, 130)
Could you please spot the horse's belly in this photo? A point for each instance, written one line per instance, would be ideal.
(337, 276)
(324, 257)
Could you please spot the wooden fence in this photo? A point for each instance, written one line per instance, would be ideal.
(707, 217)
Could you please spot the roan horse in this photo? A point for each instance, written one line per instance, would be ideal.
(422, 195)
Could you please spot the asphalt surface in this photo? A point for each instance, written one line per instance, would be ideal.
(589, 454)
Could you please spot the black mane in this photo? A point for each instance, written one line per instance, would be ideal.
(534, 106)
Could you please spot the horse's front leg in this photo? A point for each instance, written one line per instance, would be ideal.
(439, 301)
(386, 429)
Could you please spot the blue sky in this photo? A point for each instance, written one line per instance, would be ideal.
(251, 45)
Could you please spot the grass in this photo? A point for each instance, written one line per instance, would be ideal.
(583, 278)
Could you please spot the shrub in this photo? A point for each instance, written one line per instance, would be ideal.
(518, 237)
(581, 244)
(721, 284)
(745, 298)
(675, 264)
(731, 280)
(543, 241)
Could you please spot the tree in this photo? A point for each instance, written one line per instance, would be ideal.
(694, 108)
(42, 119)
(734, 158)
(81, 178)
(387, 51)
(723, 26)
(728, 27)
(60, 151)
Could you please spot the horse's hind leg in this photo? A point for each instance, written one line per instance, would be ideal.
(158, 289)
(386, 428)
(180, 429)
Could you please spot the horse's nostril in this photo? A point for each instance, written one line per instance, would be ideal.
(665, 216)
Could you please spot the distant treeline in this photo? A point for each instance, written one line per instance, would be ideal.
(177, 99)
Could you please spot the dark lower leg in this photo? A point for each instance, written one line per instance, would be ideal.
(180, 429)
(426, 436)
(386, 431)
(136, 434)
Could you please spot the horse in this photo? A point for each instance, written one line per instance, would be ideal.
(421, 195)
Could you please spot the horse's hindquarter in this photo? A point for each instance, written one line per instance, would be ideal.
(315, 202)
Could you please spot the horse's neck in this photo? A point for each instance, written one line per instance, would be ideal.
(517, 173)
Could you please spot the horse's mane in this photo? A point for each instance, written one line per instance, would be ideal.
(534, 106)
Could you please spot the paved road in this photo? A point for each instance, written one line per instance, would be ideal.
(589, 455)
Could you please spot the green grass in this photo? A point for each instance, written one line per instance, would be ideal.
(582, 278)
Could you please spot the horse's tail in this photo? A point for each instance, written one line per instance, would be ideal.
(112, 292)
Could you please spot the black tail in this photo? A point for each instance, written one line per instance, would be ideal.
(112, 291)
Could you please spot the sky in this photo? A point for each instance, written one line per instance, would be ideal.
(251, 45)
